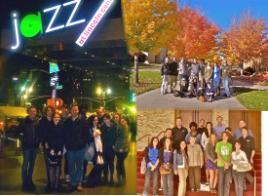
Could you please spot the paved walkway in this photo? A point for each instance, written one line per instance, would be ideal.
(153, 100)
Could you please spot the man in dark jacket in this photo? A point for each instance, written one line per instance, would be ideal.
(108, 135)
(179, 132)
(76, 138)
(30, 141)
(173, 74)
(45, 124)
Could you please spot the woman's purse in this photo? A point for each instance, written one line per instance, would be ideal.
(165, 169)
(90, 152)
(244, 167)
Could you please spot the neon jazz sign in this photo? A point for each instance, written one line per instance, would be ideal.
(31, 25)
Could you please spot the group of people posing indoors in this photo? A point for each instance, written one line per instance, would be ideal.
(224, 154)
(195, 78)
(73, 139)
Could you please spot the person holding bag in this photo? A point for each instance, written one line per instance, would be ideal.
(166, 161)
(54, 149)
(152, 160)
(180, 166)
(240, 167)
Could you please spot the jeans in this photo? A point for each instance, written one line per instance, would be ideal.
(164, 86)
(168, 184)
(224, 182)
(194, 177)
(47, 166)
(75, 165)
(148, 175)
(225, 82)
(109, 166)
(238, 180)
(29, 156)
(54, 176)
(120, 167)
(216, 86)
(183, 173)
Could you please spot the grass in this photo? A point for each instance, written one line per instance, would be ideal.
(252, 99)
(148, 80)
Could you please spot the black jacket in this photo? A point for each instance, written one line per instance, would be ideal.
(179, 134)
(55, 137)
(43, 127)
(28, 132)
(108, 136)
(173, 66)
(76, 133)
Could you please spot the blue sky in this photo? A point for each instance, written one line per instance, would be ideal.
(221, 12)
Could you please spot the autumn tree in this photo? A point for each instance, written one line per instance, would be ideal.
(148, 26)
(197, 38)
(246, 40)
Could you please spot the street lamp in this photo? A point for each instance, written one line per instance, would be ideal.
(103, 93)
(22, 89)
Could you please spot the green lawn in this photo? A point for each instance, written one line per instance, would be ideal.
(252, 99)
(148, 80)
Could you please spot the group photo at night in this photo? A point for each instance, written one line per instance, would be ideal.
(199, 152)
(186, 53)
(67, 115)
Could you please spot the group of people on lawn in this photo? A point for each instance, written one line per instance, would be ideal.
(194, 78)
(225, 154)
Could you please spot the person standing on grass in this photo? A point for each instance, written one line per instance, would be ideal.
(109, 131)
(54, 147)
(173, 74)
(45, 124)
(151, 154)
(166, 169)
(165, 72)
(121, 150)
(76, 138)
(224, 151)
(211, 160)
(28, 133)
(226, 78)
(180, 166)
(196, 162)
(248, 146)
(238, 157)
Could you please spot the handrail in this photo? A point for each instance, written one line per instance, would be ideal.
(254, 183)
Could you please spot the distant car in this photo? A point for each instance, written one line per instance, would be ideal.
(11, 126)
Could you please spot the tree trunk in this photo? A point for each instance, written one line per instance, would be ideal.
(136, 70)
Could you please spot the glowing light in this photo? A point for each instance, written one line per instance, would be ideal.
(93, 23)
(51, 22)
(99, 91)
(16, 28)
(30, 90)
(76, 7)
(31, 25)
(25, 96)
(109, 91)
(22, 88)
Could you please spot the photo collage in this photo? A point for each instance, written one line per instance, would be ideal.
(133, 97)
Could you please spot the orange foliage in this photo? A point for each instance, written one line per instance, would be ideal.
(197, 38)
